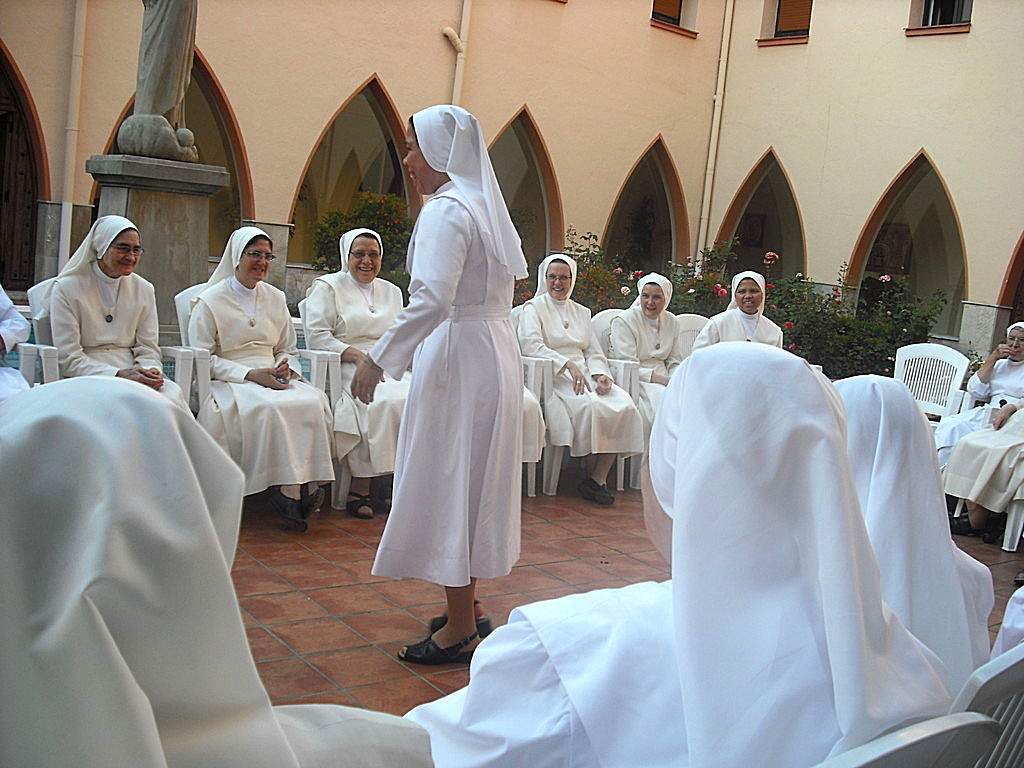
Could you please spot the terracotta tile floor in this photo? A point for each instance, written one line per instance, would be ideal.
(323, 629)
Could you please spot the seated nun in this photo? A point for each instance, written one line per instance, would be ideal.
(1011, 633)
(274, 425)
(744, 319)
(1000, 378)
(102, 315)
(587, 412)
(763, 650)
(347, 312)
(940, 593)
(123, 644)
(14, 329)
(646, 333)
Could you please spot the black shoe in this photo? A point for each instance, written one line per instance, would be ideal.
(961, 526)
(290, 511)
(310, 502)
(429, 652)
(356, 503)
(995, 527)
(483, 625)
(599, 494)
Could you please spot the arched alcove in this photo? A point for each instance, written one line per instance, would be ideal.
(648, 226)
(527, 180)
(1011, 293)
(358, 151)
(914, 232)
(208, 114)
(764, 215)
(24, 176)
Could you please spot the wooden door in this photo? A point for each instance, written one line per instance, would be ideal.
(19, 191)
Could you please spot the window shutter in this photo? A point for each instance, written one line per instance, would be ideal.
(794, 17)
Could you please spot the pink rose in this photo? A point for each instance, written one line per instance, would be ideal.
(625, 290)
(885, 278)
(791, 347)
(637, 274)
(771, 257)
(788, 325)
(721, 291)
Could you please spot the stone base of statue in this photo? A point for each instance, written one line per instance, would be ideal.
(169, 202)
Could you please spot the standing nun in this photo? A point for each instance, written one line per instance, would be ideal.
(14, 329)
(744, 318)
(456, 506)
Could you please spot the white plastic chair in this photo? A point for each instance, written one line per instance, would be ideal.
(950, 741)
(626, 374)
(1014, 523)
(30, 353)
(538, 375)
(996, 689)
(688, 327)
(43, 349)
(933, 374)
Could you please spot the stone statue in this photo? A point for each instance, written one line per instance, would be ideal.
(156, 126)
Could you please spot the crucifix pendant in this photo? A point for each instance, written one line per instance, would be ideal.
(252, 322)
(109, 318)
(565, 324)
(658, 345)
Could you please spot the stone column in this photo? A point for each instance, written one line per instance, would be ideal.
(169, 202)
(982, 326)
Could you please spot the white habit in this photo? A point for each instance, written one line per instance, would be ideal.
(736, 325)
(1011, 633)
(654, 344)
(14, 329)
(277, 437)
(770, 651)
(455, 511)
(561, 331)
(987, 466)
(121, 642)
(941, 594)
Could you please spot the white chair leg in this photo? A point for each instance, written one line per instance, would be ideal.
(959, 508)
(620, 472)
(552, 468)
(634, 471)
(531, 478)
(1014, 527)
(342, 482)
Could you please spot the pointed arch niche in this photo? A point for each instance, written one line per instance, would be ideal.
(24, 176)
(648, 226)
(765, 217)
(208, 114)
(1011, 294)
(358, 151)
(527, 180)
(914, 232)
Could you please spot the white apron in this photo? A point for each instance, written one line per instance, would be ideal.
(277, 437)
(455, 511)
(987, 466)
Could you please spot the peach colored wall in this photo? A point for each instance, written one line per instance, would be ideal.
(846, 112)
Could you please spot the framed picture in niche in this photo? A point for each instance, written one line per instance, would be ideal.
(892, 249)
(751, 230)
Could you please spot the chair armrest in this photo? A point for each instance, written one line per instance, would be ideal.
(319, 360)
(204, 374)
(29, 353)
(626, 373)
(537, 375)
(184, 362)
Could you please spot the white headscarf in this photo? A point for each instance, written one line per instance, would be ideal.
(785, 650)
(542, 272)
(101, 234)
(758, 278)
(233, 252)
(452, 141)
(941, 594)
(121, 641)
(1015, 326)
(345, 244)
(659, 280)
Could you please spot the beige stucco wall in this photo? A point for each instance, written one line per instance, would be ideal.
(846, 112)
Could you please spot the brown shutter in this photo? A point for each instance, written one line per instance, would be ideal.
(794, 17)
(668, 8)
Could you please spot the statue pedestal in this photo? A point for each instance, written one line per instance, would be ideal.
(168, 201)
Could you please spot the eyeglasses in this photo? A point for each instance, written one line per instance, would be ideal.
(363, 255)
(124, 249)
(559, 278)
(257, 255)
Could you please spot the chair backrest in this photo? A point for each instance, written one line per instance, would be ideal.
(41, 328)
(950, 741)
(183, 308)
(997, 689)
(687, 328)
(932, 373)
(602, 325)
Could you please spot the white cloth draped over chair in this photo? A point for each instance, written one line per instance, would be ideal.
(122, 642)
(942, 594)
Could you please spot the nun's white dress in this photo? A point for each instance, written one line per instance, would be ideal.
(987, 466)
(941, 594)
(1011, 633)
(339, 315)
(762, 651)
(88, 345)
(587, 423)
(14, 329)
(736, 325)
(455, 512)
(1007, 379)
(277, 437)
(121, 643)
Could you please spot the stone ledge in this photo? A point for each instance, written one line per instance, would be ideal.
(157, 174)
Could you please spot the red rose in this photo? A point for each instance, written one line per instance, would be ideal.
(788, 325)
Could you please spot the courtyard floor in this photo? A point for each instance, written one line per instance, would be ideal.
(323, 629)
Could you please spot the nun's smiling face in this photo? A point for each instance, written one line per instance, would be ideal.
(364, 258)
(424, 178)
(748, 296)
(255, 262)
(652, 300)
(122, 257)
(558, 280)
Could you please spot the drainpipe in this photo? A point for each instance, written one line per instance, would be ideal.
(459, 42)
(703, 236)
(71, 133)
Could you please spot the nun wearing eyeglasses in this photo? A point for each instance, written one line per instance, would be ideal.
(102, 315)
(588, 412)
(455, 511)
(744, 319)
(274, 425)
